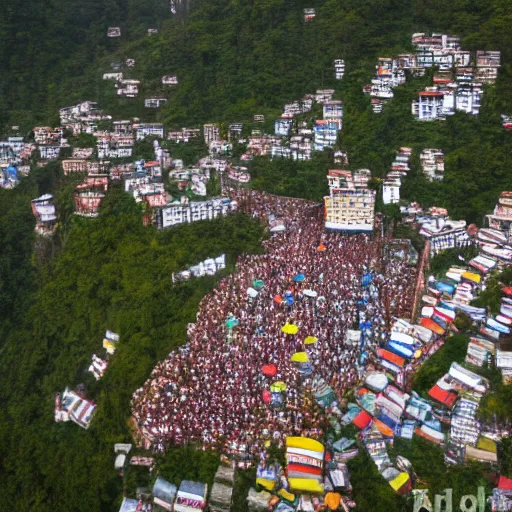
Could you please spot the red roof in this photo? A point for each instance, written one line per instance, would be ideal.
(392, 358)
(445, 397)
(431, 93)
(362, 420)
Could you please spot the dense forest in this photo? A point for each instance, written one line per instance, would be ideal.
(233, 58)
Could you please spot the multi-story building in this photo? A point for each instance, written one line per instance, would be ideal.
(282, 127)
(144, 130)
(429, 106)
(211, 132)
(154, 102)
(326, 133)
(333, 112)
(350, 210)
(44, 211)
(501, 218)
(185, 211)
(432, 164)
(339, 69)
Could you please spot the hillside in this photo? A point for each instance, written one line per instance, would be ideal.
(233, 59)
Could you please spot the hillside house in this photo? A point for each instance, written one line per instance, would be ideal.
(211, 132)
(487, 66)
(73, 406)
(326, 134)
(339, 178)
(333, 112)
(391, 190)
(113, 76)
(112, 145)
(49, 151)
(501, 218)
(301, 147)
(75, 165)
(309, 14)
(292, 109)
(220, 147)
(258, 118)
(282, 127)
(429, 106)
(123, 128)
(341, 158)
(461, 58)
(280, 152)
(99, 168)
(44, 211)
(128, 88)
(185, 211)
(82, 153)
(114, 32)
(469, 97)
(47, 135)
(235, 130)
(407, 61)
(432, 164)
(323, 95)
(170, 80)
(129, 63)
(350, 210)
(89, 195)
(154, 102)
(144, 130)
(339, 69)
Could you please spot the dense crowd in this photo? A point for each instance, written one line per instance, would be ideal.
(210, 392)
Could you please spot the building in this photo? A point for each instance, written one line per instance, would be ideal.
(114, 32)
(391, 190)
(89, 195)
(170, 80)
(144, 130)
(309, 14)
(326, 134)
(487, 66)
(75, 165)
(282, 127)
(350, 210)
(432, 164)
(339, 69)
(501, 218)
(128, 88)
(429, 106)
(44, 211)
(211, 132)
(333, 112)
(185, 211)
(154, 102)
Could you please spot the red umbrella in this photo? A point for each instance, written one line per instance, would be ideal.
(508, 290)
(269, 370)
(278, 299)
(266, 396)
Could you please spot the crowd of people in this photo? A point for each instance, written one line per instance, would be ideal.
(210, 391)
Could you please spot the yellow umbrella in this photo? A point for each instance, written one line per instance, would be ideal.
(310, 340)
(290, 329)
(278, 386)
(300, 357)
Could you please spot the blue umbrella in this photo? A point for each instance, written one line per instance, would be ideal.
(299, 278)
(289, 300)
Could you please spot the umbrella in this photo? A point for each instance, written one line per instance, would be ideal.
(300, 357)
(290, 329)
(278, 299)
(265, 395)
(269, 370)
(258, 284)
(278, 387)
(289, 300)
(232, 322)
(310, 293)
(299, 278)
(252, 293)
(322, 247)
(310, 340)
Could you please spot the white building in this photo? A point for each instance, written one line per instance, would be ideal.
(144, 130)
(211, 132)
(339, 69)
(391, 190)
(432, 163)
(185, 212)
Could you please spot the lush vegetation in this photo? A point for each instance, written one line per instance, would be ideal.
(111, 273)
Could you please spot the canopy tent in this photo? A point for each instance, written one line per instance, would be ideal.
(252, 293)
